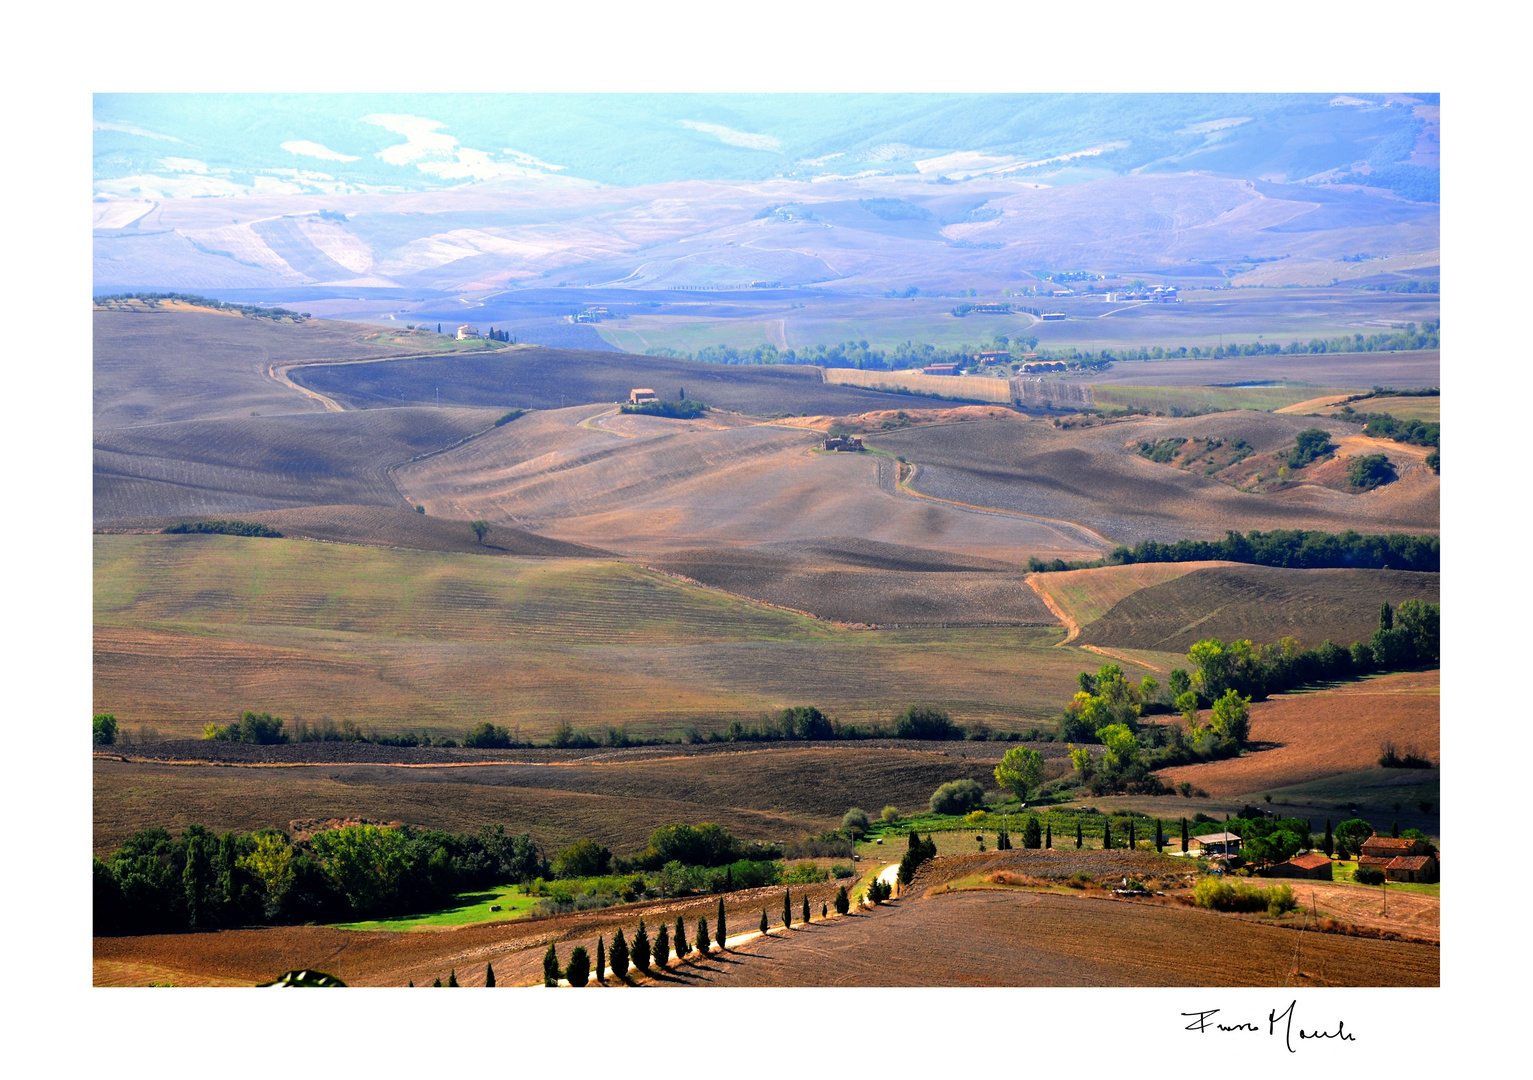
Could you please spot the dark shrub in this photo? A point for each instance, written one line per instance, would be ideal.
(578, 972)
(926, 722)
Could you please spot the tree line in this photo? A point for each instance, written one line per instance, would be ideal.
(1224, 680)
(1294, 548)
(225, 527)
(194, 300)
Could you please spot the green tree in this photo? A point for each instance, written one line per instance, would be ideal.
(578, 971)
(855, 821)
(702, 936)
(662, 946)
(682, 946)
(489, 976)
(1131, 841)
(601, 959)
(103, 729)
(1032, 836)
(1350, 836)
(1079, 840)
(1048, 835)
(1179, 682)
(1185, 838)
(641, 950)
(1160, 837)
(452, 977)
(1386, 616)
(1231, 717)
(481, 528)
(1329, 844)
(787, 907)
(843, 901)
(551, 966)
(1106, 834)
(763, 921)
(583, 858)
(619, 955)
(720, 934)
(1020, 771)
(806, 908)
(1122, 745)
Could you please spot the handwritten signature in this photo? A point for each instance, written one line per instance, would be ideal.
(1203, 1022)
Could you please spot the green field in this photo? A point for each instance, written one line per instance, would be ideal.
(1343, 871)
(1188, 399)
(472, 908)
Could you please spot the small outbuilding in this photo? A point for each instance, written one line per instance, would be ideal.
(1314, 866)
(465, 332)
(639, 395)
(940, 369)
(842, 442)
(1216, 845)
(1421, 869)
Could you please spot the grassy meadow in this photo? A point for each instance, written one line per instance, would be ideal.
(1187, 399)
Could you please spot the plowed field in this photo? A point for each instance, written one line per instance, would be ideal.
(1259, 603)
(1306, 737)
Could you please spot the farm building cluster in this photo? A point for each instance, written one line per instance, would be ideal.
(1400, 858)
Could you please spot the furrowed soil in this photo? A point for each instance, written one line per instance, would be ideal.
(1084, 596)
(540, 378)
(766, 791)
(1303, 738)
(1094, 476)
(238, 465)
(1259, 603)
(190, 629)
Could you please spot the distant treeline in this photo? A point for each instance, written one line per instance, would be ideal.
(208, 302)
(1384, 426)
(1410, 338)
(1293, 548)
(226, 528)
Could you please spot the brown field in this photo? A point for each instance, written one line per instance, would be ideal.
(760, 791)
(1259, 603)
(171, 366)
(1407, 407)
(1310, 736)
(238, 465)
(1082, 597)
(677, 487)
(196, 628)
(1094, 476)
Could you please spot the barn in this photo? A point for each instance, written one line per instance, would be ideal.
(1314, 866)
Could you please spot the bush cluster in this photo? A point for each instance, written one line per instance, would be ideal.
(1217, 894)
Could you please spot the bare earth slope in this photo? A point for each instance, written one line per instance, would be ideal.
(539, 378)
(1261, 603)
(676, 485)
(1094, 476)
(154, 367)
(231, 465)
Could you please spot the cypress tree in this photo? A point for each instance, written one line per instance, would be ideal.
(1048, 835)
(824, 910)
(489, 975)
(763, 921)
(601, 959)
(579, 970)
(1131, 841)
(1330, 843)
(1031, 837)
(729, 880)
(1078, 838)
(843, 902)
(787, 907)
(437, 981)
(1160, 837)
(1394, 829)
(620, 954)
(806, 907)
(412, 983)
(1386, 617)
(662, 945)
(1106, 834)
(682, 948)
(702, 936)
(452, 977)
(641, 948)
(720, 934)
(550, 966)
(1184, 836)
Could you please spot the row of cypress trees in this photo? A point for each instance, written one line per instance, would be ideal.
(644, 954)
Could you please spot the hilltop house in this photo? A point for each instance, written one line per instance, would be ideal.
(640, 395)
(842, 442)
(465, 332)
